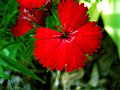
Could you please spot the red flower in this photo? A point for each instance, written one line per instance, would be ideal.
(30, 4)
(22, 26)
(67, 49)
(30, 15)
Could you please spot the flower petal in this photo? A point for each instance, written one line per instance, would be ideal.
(47, 41)
(68, 48)
(22, 27)
(57, 53)
(72, 15)
(68, 56)
(88, 37)
(30, 4)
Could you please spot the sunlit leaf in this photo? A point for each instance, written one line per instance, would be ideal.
(94, 11)
(111, 19)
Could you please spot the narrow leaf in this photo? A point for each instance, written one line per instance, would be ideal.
(94, 76)
(19, 67)
(3, 74)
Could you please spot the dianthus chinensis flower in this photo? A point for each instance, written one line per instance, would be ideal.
(30, 4)
(68, 48)
(30, 12)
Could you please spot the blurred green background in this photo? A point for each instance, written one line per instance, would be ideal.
(20, 71)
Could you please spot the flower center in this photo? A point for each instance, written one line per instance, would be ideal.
(65, 35)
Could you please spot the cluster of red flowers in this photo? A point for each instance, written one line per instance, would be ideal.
(67, 48)
(30, 12)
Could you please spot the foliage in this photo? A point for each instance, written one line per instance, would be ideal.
(20, 71)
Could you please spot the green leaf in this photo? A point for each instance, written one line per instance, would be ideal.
(105, 64)
(111, 19)
(3, 74)
(19, 67)
(94, 12)
(53, 21)
(2, 6)
(94, 76)
(29, 49)
(10, 10)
